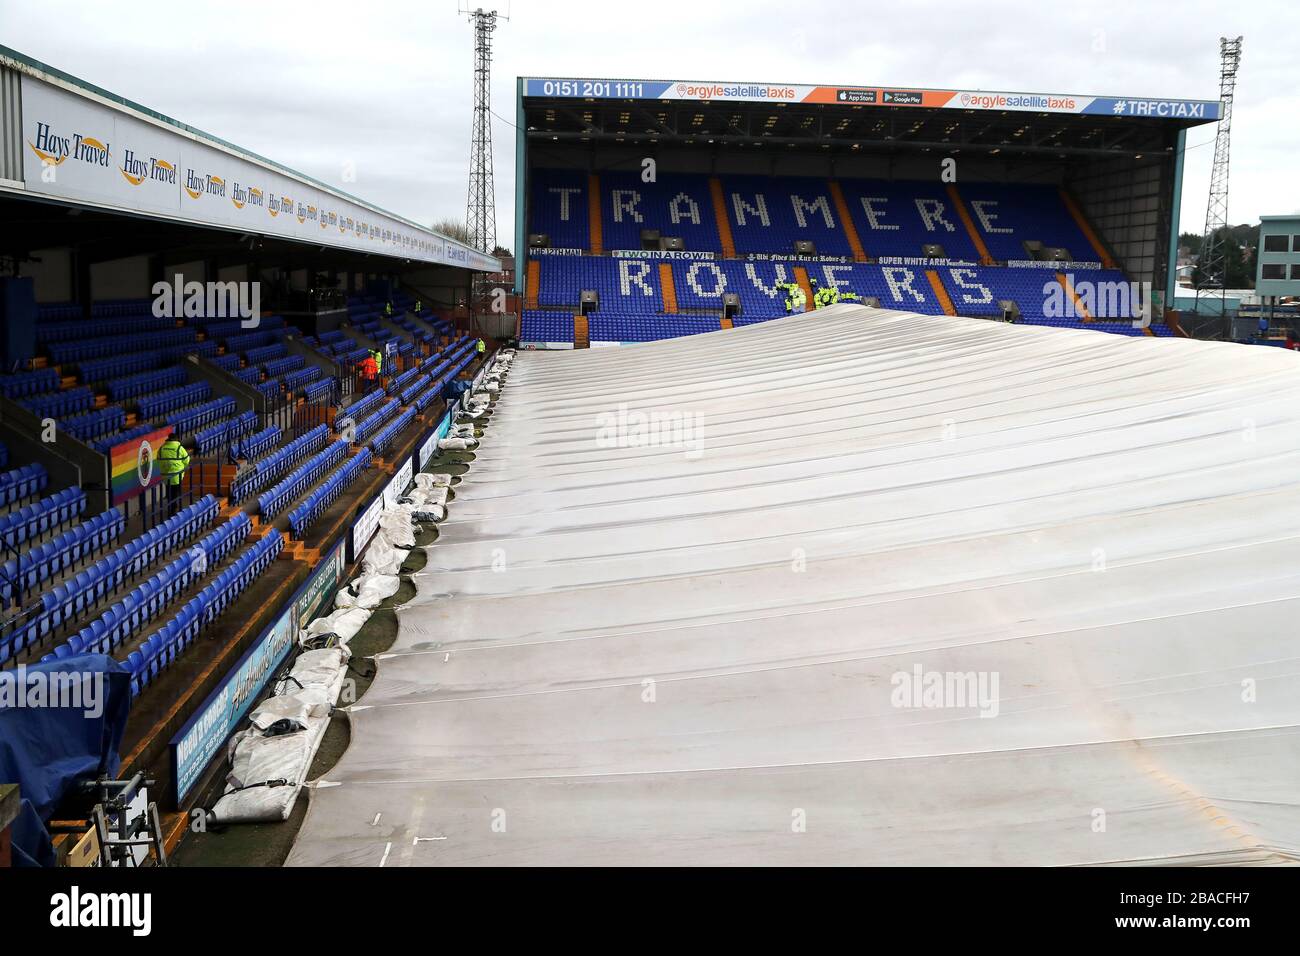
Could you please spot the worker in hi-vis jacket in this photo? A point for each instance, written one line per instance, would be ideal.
(173, 461)
(794, 296)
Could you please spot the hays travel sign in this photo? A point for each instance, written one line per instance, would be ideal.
(81, 150)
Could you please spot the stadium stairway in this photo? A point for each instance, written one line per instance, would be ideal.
(534, 281)
(726, 241)
(940, 292)
(968, 224)
(1073, 296)
(594, 223)
(668, 289)
(801, 277)
(846, 222)
(1098, 248)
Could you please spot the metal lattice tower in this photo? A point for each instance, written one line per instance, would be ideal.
(481, 207)
(1213, 259)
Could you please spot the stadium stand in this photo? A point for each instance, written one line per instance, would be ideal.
(254, 445)
(873, 238)
(164, 645)
(105, 393)
(64, 551)
(279, 496)
(267, 469)
(102, 558)
(321, 498)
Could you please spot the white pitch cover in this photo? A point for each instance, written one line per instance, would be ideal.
(852, 587)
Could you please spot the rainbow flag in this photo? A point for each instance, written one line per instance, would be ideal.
(132, 465)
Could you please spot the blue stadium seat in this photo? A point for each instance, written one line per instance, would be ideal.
(321, 498)
(22, 483)
(262, 471)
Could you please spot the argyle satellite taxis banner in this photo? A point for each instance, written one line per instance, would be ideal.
(871, 96)
(79, 149)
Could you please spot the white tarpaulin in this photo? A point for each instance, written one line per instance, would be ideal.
(855, 586)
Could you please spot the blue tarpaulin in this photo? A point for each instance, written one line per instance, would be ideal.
(60, 722)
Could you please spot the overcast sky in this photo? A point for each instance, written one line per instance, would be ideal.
(386, 85)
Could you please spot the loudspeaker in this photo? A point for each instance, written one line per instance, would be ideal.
(804, 247)
(730, 305)
(539, 240)
(672, 244)
(650, 239)
(589, 302)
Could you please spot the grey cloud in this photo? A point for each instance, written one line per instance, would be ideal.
(387, 85)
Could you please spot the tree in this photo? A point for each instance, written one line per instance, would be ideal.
(1240, 244)
(453, 229)
(501, 252)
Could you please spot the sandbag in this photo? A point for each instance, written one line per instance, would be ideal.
(287, 707)
(345, 622)
(373, 589)
(395, 524)
(379, 557)
(457, 444)
(418, 499)
(258, 761)
(382, 557)
(316, 668)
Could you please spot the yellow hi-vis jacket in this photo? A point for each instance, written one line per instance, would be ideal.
(173, 459)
